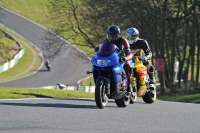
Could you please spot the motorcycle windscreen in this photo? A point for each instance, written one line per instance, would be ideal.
(107, 49)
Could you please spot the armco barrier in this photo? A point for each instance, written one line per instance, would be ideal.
(90, 89)
(14, 61)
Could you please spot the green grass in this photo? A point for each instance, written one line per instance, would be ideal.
(6, 41)
(88, 81)
(6, 46)
(188, 98)
(13, 93)
(26, 65)
(37, 11)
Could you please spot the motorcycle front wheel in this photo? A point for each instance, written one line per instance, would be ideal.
(122, 102)
(101, 98)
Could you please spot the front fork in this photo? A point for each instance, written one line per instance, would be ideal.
(107, 86)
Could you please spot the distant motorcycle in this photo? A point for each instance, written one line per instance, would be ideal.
(48, 66)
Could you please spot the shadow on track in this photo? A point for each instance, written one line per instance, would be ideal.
(51, 105)
(42, 70)
(33, 94)
(54, 105)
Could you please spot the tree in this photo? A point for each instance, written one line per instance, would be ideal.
(170, 26)
(70, 16)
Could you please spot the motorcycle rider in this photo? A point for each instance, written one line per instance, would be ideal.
(47, 63)
(138, 43)
(113, 36)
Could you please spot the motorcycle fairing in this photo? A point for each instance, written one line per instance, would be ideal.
(142, 71)
(116, 70)
(131, 63)
(140, 68)
(113, 60)
(107, 58)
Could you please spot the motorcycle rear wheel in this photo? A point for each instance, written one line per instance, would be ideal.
(149, 97)
(101, 98)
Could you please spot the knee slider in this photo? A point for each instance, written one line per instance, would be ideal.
(150, 68)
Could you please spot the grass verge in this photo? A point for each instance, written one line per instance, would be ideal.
(37, 11)
(13, 93)
(26, 65)
(8, 48)
(187, 98)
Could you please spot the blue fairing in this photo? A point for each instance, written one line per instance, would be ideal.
(113, 63)
(132, 63)
(113, 60)
(116, 70)
(119, 68)
(108, 58)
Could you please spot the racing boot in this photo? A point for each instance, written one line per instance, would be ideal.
(129, 88)
(151, 78)
(152, 86)
(151, 74)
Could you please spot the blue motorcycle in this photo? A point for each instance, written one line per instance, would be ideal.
(109, 76)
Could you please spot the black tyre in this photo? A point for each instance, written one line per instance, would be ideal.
(123, 102)
(149, 97)
(101, 98)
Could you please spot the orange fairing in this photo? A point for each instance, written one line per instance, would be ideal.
(142, 71)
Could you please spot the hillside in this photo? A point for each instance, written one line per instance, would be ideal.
(8, 48)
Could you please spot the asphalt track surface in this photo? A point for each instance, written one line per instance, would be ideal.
(82, 116)
(68, 63)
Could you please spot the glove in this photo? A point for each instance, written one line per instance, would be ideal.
(143, 58)
(96, 49)
(124, 59)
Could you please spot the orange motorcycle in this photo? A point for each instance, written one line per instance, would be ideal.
(140, 81)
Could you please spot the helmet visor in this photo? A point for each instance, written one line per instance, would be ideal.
(112, 37)
(131, 37)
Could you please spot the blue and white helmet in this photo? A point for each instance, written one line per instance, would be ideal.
(132, 34)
